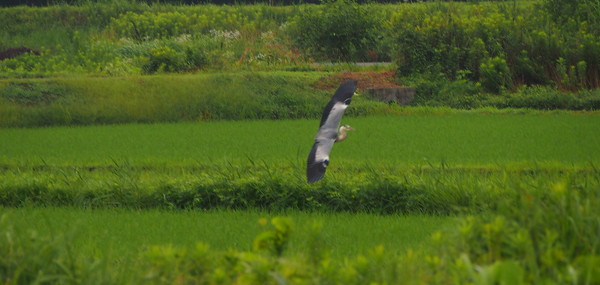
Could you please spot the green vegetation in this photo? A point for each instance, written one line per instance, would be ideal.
(526, 201)
(532, 235)
(123, 233)
(233, 96)
(339, 32)
(82, 101)
(495, 45)
(477, 183)
(395, 164)
(461, 140)
(524, 54)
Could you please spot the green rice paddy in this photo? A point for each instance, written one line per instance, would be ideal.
(406, 141)
(124, 233)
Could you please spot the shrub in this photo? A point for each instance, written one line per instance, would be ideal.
(547, 98)
(496, 44)
(174, 57)
(341, 31)
(495, 75)
(164, 59)
(149, 25)
(547, 233)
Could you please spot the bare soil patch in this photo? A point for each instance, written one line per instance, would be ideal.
(365, 79)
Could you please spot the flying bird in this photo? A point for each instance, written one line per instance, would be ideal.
(328, 133)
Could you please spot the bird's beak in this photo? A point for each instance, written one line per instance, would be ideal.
(350, 128)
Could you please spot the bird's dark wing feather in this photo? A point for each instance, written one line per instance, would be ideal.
(342, 94)
(316, 166)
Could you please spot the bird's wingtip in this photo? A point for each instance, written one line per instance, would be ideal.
(316, 171)
(311, 180)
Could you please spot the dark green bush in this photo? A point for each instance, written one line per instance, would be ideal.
(174, 57)
(495, 75)
(341, 31)
(163, 59)
(500, 46)
(547, 98)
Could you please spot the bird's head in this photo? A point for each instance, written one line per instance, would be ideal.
(342, 133)
(346, 128)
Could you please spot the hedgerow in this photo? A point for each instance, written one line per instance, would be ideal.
(432, 191)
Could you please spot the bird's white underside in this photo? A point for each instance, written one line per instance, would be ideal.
(328, 132)
(335, 117)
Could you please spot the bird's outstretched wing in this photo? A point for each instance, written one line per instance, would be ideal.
(318, 158)
(341, 97)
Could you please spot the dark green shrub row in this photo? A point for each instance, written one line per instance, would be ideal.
(433, 191)
(262, 192)
(341, 31)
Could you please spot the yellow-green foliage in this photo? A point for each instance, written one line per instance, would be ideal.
(517, 42)
(499, 44)
(214, 96)
(175, 22)
(231, 96)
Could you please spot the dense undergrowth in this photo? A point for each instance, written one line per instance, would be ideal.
(427, 190)
(496, 45)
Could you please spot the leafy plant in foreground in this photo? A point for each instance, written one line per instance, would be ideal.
(549, 234)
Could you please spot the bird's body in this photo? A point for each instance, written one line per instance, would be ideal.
(318, 158)
(342, 134)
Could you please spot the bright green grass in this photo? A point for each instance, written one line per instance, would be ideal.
(118, 233)
(409, 140)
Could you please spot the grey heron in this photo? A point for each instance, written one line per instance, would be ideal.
(328, 133)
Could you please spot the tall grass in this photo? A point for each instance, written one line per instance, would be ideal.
(200, 97)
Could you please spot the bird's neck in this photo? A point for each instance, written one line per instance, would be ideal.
(341, 135)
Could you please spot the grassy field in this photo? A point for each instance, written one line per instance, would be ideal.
(118, 233)
(497, 182)
(398, 141)
(412, 163)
